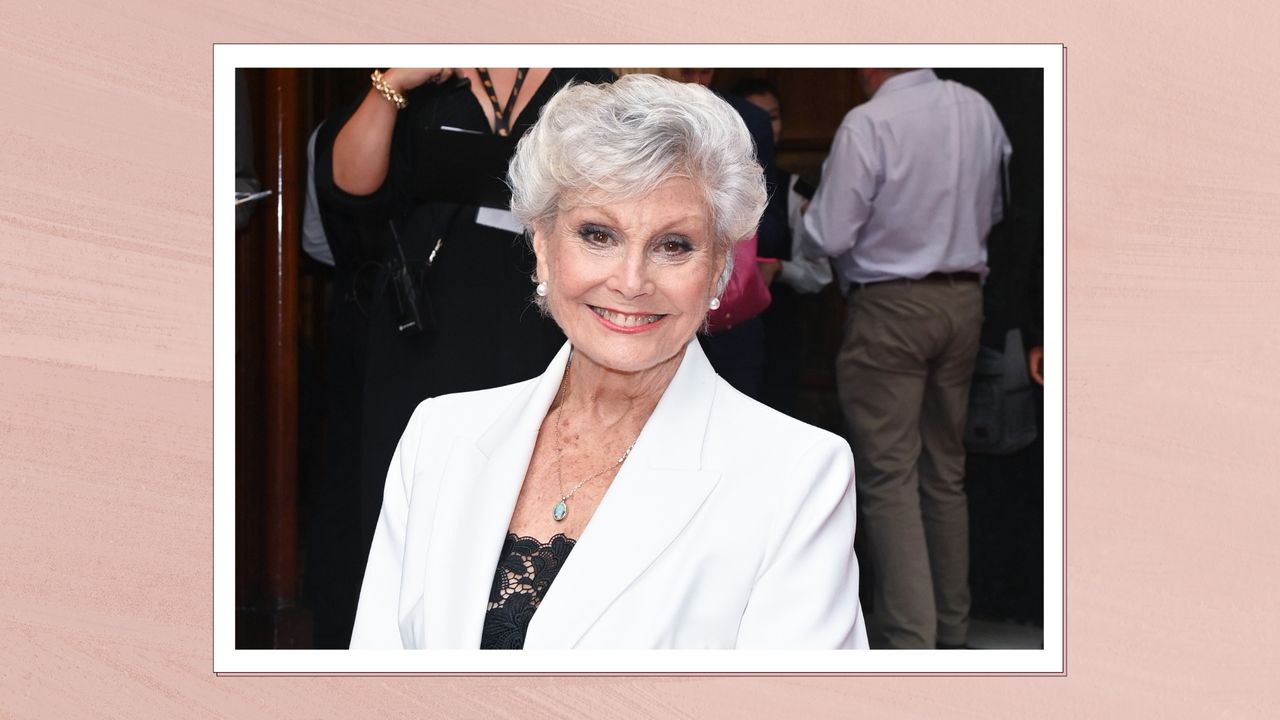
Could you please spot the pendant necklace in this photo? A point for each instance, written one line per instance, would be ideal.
(561, 509)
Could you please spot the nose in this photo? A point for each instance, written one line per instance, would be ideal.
(630, 277)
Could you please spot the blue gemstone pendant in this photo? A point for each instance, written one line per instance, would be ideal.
(559, 511)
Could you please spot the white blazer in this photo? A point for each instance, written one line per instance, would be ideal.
(729, 526)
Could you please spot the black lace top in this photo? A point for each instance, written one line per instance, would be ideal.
(526, 569)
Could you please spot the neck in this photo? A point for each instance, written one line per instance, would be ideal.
(611, 397)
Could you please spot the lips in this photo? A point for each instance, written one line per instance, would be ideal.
(626, 320)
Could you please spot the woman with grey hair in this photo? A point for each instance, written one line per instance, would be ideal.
(628, 497)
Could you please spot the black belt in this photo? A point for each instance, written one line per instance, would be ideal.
(947, 277)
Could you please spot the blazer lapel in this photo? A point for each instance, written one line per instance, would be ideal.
(654, 496)
(478, 493)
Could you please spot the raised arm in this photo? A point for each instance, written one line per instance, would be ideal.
(362, 149)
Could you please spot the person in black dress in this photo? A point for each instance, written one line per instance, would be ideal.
(423, 155)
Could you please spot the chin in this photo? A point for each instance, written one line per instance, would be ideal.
(619, 358)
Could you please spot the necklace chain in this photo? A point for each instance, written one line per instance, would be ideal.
(561, 508)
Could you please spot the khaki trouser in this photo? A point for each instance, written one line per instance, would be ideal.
(903, 372)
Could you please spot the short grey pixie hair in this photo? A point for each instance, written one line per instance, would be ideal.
(621, 140)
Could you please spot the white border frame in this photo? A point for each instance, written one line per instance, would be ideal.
(228, 659)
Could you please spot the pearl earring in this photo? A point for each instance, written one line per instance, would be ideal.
(715, 303)
(541, 290)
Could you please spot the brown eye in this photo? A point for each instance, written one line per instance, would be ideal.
(594, 235)
(675, 246)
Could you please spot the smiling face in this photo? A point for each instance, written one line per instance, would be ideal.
(629, 282)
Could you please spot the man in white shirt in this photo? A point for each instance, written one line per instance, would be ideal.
(912, 186)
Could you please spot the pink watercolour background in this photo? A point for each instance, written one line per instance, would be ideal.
(106, 361)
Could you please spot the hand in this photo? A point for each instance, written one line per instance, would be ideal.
(1035, 363)
(405, 79)
(770, 270)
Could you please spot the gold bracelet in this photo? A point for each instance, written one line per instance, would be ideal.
(384, 88)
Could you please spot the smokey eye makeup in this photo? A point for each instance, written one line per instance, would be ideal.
(595, 235)
(669, 247)
(674, 247)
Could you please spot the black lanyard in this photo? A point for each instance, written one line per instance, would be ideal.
(502, 116)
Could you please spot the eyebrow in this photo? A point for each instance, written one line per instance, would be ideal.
(612, 223)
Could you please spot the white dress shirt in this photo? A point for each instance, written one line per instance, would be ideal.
(803, 272)
(913, 183)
